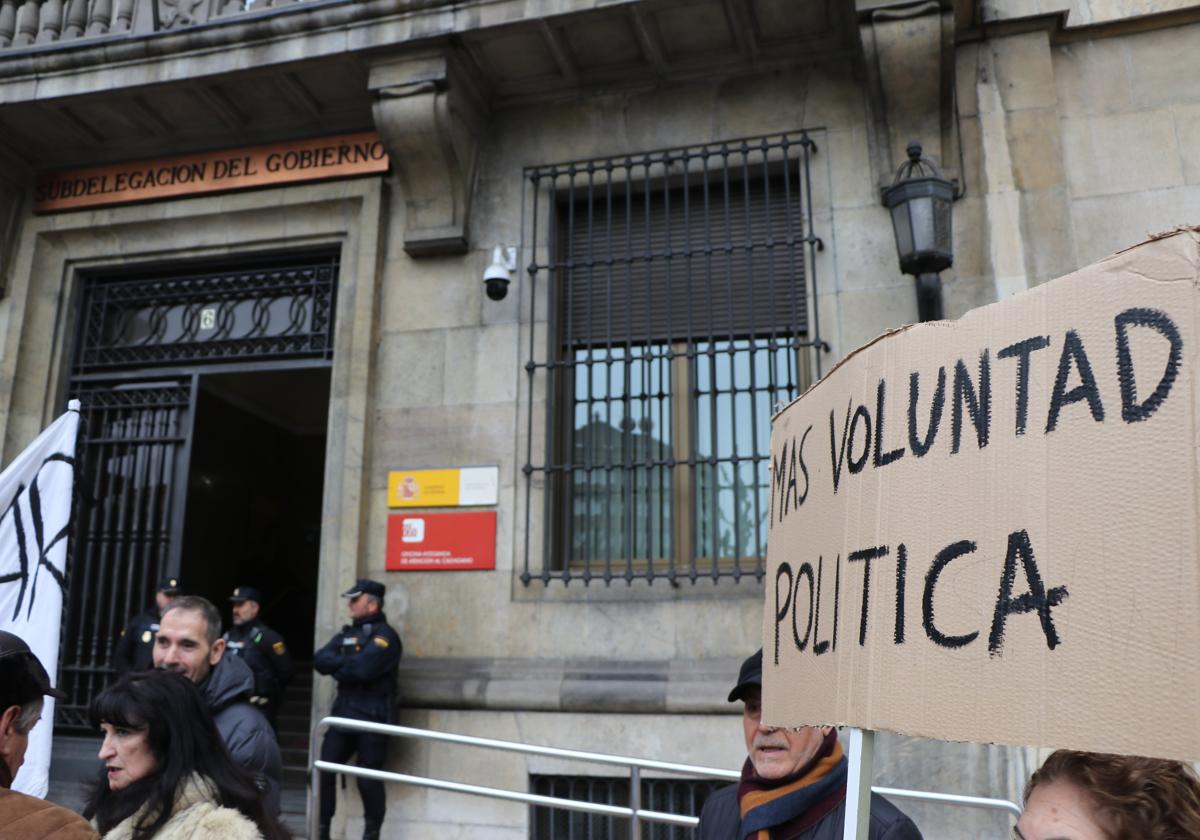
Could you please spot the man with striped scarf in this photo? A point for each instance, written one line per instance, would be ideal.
(793, 783)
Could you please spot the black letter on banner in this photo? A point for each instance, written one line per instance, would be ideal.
(1022, 350)
(1131, 412)
(819, 647)
(856, 465)
(1037, 598)
(979, 405)
(799, 500)
(920, 447)
(943, 559)
(866, 555)
(1086, 389)
(780, 612)
(901, 573)
(883, 458)
(835, 457)
(805, 570)
(779, 482)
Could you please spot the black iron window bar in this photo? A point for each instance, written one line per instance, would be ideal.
(674, 796)
(678, 284)
(275, 309)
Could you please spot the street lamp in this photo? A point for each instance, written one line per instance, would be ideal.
(919, 200)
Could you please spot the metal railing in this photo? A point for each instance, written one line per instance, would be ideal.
(634, 812)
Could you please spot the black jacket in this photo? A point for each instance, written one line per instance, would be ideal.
(246, 733)
(265, 652)
(363, 659)
(134, 650)
(720, 818)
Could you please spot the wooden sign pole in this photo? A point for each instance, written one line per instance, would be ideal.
(858, 784)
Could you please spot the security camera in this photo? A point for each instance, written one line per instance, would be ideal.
(498, 275)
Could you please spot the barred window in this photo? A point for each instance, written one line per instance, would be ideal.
(677, 309)
(672, 796)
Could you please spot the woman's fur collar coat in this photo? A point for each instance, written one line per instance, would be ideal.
(196, 816)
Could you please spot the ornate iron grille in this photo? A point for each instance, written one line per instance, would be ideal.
(281, 308)
(678, 286)
(133, 456)
(675, 796)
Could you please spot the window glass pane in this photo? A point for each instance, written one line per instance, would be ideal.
(621, 481)
(737, 386)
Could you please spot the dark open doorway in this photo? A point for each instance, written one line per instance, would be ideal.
(254, 494)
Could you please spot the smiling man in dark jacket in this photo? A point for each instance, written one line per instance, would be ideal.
(793, 783)
(189, 642)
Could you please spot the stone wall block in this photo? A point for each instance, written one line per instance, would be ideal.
(1024, 71)
(482, 365)
(411, 369)
(1187, 129)
(849, 161)
(865, 249)
(434, 292)
(1033, 147)
(867, 314)
(772, 103)
(1103, 225)
(1046, 226)
(1164, 66)
(1092, 77)
(1121, 153)
(970, 236)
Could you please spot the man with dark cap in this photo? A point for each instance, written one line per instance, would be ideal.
(793, 783)
(135, 647)
(23, 683)
(262, 648)
(363, 659)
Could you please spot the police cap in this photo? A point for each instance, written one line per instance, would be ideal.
(245, 593)
(364, 586)
(170, 586)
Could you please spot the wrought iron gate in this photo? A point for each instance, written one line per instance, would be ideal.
(144, 342)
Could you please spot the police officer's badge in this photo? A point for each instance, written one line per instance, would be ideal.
(146, 637)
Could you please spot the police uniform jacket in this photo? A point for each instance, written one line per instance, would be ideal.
(363, 659)
(135, 647)
(265, 652)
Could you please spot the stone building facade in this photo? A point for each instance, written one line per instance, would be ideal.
(585, 135)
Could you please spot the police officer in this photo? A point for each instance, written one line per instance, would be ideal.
(262, 648)
(135, 646)
(363, 659)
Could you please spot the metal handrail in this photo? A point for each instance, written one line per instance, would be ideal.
(635, 813)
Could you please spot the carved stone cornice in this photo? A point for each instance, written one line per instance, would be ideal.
(430, 117)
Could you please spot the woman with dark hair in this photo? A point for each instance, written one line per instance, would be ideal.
(1094, 796)
(167, 774)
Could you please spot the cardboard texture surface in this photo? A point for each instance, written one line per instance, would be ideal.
(986, 529)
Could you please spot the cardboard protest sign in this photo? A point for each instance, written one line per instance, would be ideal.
(987, 529)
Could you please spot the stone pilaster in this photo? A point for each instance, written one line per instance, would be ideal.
(431, 118)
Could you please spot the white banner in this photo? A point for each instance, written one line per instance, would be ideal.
(35, 521)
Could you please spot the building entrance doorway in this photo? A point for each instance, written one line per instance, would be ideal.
(205, 392)
(254, 495)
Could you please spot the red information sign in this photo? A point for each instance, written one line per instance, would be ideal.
(425, 542)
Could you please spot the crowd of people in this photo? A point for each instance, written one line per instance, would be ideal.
(187, 754)
(189, 750)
